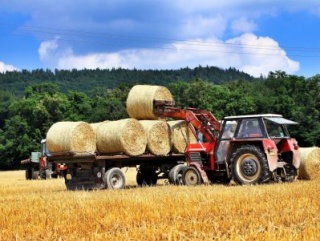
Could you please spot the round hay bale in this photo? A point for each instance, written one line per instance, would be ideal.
(181, 136)
(96, 125)
(158, 136)
(140, 101)
(71, 137)
(126, 135)
(310, 163)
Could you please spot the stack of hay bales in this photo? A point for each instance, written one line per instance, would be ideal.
(181, 136)
(132, 136)
(310, 163)
(126, 135)
(71, 138)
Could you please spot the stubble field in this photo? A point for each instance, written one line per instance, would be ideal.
(45, 210)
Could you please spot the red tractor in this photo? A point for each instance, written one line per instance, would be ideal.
(38, 165)
(249, 149)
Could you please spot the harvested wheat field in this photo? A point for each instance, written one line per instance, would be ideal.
(44, 210)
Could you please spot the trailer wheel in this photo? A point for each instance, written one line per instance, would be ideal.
(44, 174)
(146, 177)
(114, 178)
(28, 173)
(175, 174)
(249, 166)
(35, 174)
(191, 176)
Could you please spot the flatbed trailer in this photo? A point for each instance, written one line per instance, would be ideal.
(101, 171)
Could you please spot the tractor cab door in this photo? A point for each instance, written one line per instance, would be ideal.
(227, 133)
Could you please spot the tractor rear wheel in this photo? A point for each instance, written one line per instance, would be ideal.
(249, 165)
(191, 176)
(175, 174)
(114, 178)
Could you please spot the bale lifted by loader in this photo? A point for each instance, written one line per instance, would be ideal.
(249, 149)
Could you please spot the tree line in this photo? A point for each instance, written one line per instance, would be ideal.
(25, 118)
(83, 80)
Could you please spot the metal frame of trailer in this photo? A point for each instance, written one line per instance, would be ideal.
(91, 171)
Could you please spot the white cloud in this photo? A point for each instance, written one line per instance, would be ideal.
(248, 52)
(47, 48)
(7, 67)
(200, 26)
(259, 55)
(243, 25)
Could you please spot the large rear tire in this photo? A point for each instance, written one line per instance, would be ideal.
(249, 165)
(191, 177)
(114, 178)
(175, 174)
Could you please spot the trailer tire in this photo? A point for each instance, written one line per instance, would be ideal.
(35, 174)
(114, 178)
(191, 176)
(146, 177)
(28, 173)
(175, 174)
(44, 174)
(249, 165)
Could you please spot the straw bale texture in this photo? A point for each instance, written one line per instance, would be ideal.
(310, 163)
(158, 136)
(181, 136)
(73, 137)
(140, 100)
(96, 125)
(121, 136)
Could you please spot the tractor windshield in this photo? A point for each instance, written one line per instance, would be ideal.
(276, 126)
(250, 128)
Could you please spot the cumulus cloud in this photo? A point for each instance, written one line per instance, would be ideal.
(7, 67)
(248, 52)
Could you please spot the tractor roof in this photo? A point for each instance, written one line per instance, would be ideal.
(272, 117)
(251, 116)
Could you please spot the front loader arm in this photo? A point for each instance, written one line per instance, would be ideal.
(202, 120)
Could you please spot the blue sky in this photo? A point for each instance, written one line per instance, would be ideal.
(253, 36)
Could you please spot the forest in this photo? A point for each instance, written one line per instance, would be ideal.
(31, 101)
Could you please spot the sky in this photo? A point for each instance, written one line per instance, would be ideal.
(252, 36)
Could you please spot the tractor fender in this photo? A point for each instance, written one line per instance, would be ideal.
(271, 151)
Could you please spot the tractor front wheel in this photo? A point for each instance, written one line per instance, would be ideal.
(191, 177)
(249, 166)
